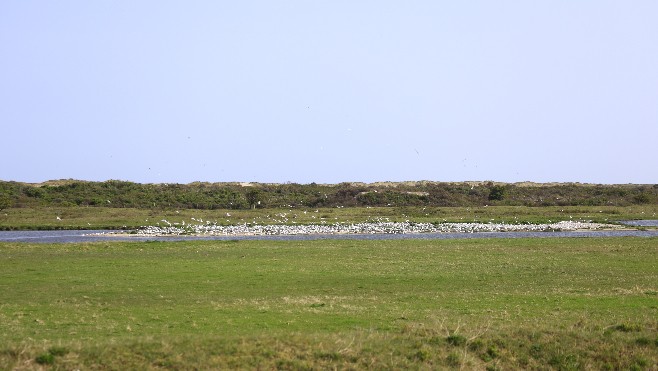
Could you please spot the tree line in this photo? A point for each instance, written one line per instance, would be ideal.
(123, 194)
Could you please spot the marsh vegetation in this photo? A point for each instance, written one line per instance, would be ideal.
(212, 196)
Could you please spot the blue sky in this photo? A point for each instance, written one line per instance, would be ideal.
(329, 91)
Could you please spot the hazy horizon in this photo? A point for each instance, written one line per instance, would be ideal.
(382, 182)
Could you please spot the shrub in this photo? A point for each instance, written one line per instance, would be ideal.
(642, 198)
(33, 192)
(497, 193)
(5, 201)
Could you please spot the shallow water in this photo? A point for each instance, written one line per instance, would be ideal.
(95, 236)
(50, 236)
(640, 223)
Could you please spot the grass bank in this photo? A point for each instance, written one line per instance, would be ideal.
(46, 218)
(481, 304)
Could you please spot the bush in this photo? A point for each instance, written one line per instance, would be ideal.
(497, 193)
(235, 196)
(642, 198)
(5, 201)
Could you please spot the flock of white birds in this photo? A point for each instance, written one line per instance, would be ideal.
(374, 227)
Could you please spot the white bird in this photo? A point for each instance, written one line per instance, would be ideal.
(58, 218)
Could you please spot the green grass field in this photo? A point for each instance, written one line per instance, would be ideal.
(572, 303)
(44, 218)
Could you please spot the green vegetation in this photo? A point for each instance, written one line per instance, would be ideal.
(5, 201)
(212, 196)
(78, 217)
(430, 304)
(119, 205)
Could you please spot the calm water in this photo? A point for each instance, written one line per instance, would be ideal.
(641, 223)
(87, 236)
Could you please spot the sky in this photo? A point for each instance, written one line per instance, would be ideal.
(329, 91)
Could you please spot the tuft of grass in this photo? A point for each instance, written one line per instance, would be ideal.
(493, 352)
(45, 359)
(564, 361)
(58, 351)
(625, 327)
(422, 354)
(456, 340)
(536, 351)
(453, 360)
(643, 341)
(49, 357)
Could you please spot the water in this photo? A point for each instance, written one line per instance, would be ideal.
(51, 236)
(641, 223)
(92, 236)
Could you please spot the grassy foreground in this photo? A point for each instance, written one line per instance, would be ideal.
(478, 304)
